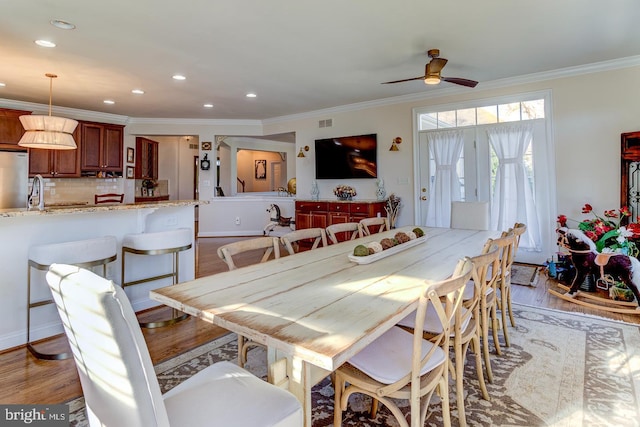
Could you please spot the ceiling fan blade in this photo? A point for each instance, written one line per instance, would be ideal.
(405, 80)
(437, 64)
(459, 81)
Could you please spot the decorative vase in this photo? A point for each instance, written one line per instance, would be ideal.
(345, 197)
(381, 193)
(315, 192)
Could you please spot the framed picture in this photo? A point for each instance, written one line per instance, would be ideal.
(206, 146)
(261, 169)
(130, 152)
(130, 171)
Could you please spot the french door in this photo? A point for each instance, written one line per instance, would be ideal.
(477, 167)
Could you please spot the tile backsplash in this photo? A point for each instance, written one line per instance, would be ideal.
(82, 190)
(78, 190)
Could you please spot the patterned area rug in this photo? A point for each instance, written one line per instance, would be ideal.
(562, 369)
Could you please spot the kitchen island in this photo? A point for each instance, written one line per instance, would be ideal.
(21, 229)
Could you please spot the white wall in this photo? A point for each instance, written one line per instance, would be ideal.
(590, 112)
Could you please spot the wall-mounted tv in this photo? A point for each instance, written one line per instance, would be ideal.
(347, 157)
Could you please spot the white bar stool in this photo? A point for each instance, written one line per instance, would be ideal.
(158, 243)
(82, 253)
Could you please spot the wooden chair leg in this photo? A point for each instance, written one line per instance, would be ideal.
(513, 322)
(503, 312)
(479, 369)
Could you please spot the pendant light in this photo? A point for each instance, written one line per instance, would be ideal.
(48, 132)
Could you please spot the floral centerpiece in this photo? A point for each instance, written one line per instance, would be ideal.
(607, 231)
(344, 192)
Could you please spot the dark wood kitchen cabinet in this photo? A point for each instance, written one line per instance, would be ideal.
(102, 146)
(56, 163)
(11, 129)
(146, 159)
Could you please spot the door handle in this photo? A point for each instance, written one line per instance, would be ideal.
(423, 198)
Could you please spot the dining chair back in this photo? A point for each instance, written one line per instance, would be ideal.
(269, 245)
(118, 379)
(506, 248)
(466, 327)
(470, 215)
(291, 240)
(368, 225)
(108, 198)
(518, 229)
(488, 299)
(344, 231)
(403, 365)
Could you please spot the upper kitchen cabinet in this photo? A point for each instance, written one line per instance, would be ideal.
(56, 163)
(11, 129)
(102, 145)
(146, 159)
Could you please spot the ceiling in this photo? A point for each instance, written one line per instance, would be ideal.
(297, 56)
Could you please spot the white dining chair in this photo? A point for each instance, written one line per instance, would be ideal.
(470, 215)
(118, 379)
(387, 368)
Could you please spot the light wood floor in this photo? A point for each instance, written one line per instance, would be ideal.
(31, 381)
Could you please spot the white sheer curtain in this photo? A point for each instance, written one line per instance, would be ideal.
(513, 199)
(445, 147)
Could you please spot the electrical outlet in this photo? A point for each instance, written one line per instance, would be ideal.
(172, 220)
(237, 220)
(206, 183)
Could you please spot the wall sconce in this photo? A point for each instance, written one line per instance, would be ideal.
(394, 145)
(301, 153)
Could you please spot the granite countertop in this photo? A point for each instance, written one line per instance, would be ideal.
(67, 208)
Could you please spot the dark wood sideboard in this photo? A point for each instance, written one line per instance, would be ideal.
(321, 213)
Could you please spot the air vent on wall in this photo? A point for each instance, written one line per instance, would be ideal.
(325, 123)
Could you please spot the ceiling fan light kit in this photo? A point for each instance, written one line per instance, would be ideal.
(432, 72)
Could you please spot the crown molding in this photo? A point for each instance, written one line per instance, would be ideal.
(197, 122)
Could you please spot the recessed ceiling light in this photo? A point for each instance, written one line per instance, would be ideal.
(63, 25)
(108, 101)
(179, 77)
(251, 95)
(45, 43)
(137, 91)
(208, 105)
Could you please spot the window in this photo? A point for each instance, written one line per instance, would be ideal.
(484, 115)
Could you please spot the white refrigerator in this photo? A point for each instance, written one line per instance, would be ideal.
(14, 179)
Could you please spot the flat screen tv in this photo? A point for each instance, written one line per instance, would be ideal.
(347, 157)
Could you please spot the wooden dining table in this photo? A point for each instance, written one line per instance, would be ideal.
(316, 309)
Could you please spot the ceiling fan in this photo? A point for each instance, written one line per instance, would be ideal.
(432, 72)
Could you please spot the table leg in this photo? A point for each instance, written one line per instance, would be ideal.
(297, 378)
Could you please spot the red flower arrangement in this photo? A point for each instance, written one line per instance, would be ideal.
(609, 235)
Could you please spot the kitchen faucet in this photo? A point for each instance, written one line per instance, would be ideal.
(37, 190)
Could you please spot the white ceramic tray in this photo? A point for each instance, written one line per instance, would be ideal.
(388, 252)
